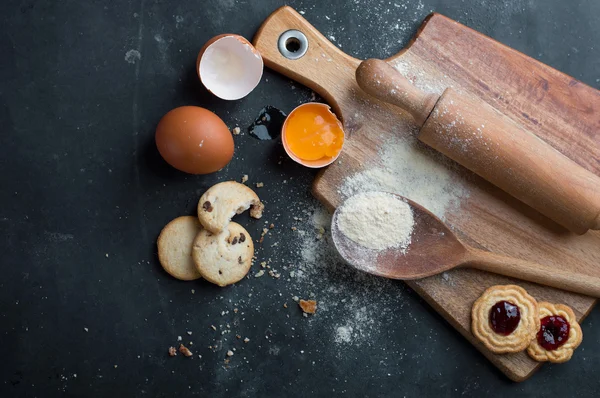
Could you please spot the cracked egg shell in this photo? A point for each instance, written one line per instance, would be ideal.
(194, 140)
(229, 66)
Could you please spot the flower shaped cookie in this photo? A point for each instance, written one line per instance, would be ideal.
(558, 334)
(505, 319)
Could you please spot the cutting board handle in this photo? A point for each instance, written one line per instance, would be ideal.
(332, 83)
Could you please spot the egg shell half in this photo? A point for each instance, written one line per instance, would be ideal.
(229, 66)
(194, 140)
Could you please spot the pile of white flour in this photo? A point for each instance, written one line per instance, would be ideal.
(376, 220)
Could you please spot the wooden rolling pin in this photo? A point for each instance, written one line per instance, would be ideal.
(490, 144)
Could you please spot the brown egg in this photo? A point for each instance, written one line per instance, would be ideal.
(194, 140)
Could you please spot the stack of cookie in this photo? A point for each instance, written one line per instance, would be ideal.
(211, 246)
(506, 319)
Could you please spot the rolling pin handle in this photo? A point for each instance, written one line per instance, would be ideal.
(380, 80)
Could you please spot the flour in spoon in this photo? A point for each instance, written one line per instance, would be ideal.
(377, 220)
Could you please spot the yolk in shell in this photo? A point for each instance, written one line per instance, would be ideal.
(312, 132)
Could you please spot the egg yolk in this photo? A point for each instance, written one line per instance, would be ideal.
(312, 132)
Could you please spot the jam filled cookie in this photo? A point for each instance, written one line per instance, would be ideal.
(558, 335)
(505, 319)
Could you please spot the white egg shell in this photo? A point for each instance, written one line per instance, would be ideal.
(229, 66)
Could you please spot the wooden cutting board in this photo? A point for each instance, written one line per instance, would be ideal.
(559, 109)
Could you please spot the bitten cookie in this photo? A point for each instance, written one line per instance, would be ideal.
(175, 247)
(505, 318)
(223, 201)
(223, 258)
(558, 334)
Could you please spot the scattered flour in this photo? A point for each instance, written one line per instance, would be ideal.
(422, 79)
(343, 334)
(353, 305)
(132, 56)
(396, 22)
(376, 220)
(410, 169)
(178, 20)
(361, 327)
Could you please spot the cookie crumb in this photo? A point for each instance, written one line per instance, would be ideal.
(284, 305)
(237, 336)
(244, 178)
(320, 233)
(179, 338)
(106, 255)
(236, 131)
(271, 226)
(235, 310)
(86, 330)
(172, 351)
(294, 228)
(259, 274)
(229, 353)
(189, 333)
(185, 351)
(246, 340)
(213, 327)
(260, 185)
(308, 306)
(193, 291)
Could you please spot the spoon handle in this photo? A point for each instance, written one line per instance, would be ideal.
(533, 272)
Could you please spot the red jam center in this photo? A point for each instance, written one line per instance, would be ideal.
(504, 317)
(554, 332)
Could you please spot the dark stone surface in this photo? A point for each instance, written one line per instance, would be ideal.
(84, 195)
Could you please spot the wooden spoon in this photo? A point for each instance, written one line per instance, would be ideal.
(434, 249)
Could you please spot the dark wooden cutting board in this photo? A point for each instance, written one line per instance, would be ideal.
(559, 109)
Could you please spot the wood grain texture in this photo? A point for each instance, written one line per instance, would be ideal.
(557, 108)
(478, 137)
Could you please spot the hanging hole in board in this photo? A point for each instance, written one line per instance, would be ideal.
(293, 44)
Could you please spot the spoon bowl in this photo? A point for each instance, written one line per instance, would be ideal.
(433, 249)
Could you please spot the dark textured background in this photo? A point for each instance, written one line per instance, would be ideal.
(84, 195)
